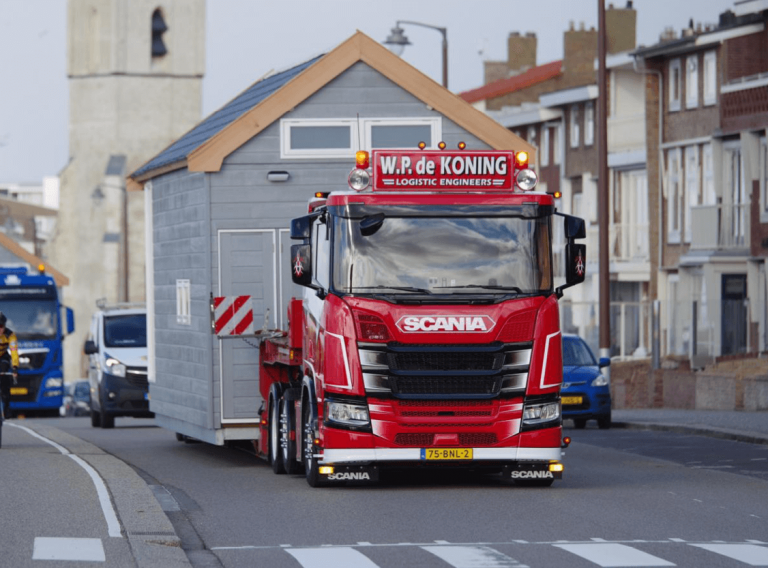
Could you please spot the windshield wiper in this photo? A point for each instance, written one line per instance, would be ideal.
(488, 287)
(402, 288)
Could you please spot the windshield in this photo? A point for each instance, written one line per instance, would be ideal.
(125, 331)
(442, 255)
(576, 353)
(31, 319)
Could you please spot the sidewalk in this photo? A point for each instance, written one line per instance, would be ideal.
(743, 426)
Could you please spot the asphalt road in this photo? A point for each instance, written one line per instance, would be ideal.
(628, 498)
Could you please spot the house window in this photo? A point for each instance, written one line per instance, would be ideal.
(557, 138)
(735, 215)
(674, 85)
(708, 175)
(710, 78)
(531, 136)
(574, 126)
(691, 186)
(183, 302)
(763, 181)
(544, 158)
(340, 138)
(589, 123)
(674, 197)
(692, 81)
(158, 29)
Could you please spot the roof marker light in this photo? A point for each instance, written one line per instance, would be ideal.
(361, 157)
(422, 145)
(558, 194)
(462, 145)
(522, 159)
(441, 145)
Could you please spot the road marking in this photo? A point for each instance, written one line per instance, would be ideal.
(113, 526)
(337, 557)
(473, 557)
(81, 549)
(751, 554)
(611, 555)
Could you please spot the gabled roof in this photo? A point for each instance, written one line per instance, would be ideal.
(204, 148)
(501, 87)
(15, 248)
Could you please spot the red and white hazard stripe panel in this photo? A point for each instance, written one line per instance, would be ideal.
(233, 315)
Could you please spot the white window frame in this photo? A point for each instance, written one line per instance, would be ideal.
(692, 186)
(692, 81)
(574, 123)
(434, 122)
(710, 78)
(544, 151)
(675, 82)
(674, 196)
(358, 128)
(589, 123)
(708, 175)
(763, 180)
(183, 302)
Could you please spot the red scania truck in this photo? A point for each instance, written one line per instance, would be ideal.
(428, 333)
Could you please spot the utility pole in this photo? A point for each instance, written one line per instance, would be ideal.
(602, 188)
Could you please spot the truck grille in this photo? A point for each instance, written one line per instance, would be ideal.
(416, 371)
(32, 382)
(465, 439)
(137, 376)
(32, 360)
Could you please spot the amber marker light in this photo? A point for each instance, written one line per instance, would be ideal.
(566, 441)
(556, 467)
(41, 268)
(325, 470)
(462, 145)
(422, 145)
(361, 157)
(521, 158)
(557, 194)
(441, 145)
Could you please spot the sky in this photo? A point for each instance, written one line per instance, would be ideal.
(246, 39)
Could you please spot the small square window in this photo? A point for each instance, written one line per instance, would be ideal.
(183, 302)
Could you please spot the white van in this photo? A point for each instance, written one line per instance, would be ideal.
(117, 363)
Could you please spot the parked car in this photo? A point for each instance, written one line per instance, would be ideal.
(117, 363)
(77, 399)
(586, 394)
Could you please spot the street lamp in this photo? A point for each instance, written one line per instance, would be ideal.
(397, 42)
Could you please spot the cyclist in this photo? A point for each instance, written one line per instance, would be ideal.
(9, 361)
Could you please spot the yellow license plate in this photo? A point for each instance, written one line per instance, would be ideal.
(431, 454)
(19, 390)
(571, 400)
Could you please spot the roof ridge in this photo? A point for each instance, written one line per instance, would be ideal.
(510, 84)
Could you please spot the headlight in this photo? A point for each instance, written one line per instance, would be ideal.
(600, 381)
(346, 413)
(538, 413)
(359, 179)
(53, 383)
(115, 367)
(527, 179)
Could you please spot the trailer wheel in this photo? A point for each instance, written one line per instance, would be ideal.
(310, 463)
(275, 455)
(287, 444)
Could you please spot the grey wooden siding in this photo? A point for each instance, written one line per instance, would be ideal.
(181, 251)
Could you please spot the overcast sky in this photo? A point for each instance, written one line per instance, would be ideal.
(247, 38)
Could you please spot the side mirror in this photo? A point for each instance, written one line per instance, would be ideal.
(574, 227)
(301, 227)
(604, 362)
(301, 265)
(70, 321)
(90, 348)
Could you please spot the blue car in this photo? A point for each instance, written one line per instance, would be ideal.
(586, 394)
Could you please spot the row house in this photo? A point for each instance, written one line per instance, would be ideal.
(706, 94)
(558, 115)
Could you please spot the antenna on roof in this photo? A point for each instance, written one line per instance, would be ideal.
(359, 133)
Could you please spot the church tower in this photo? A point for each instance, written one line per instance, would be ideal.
(135, 71)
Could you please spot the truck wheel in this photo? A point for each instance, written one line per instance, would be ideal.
(288, 445)
(95, 418)
(275, 453)
(310, 463)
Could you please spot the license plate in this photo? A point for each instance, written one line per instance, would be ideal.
(19, 390)
(571, 400)
(431, 454)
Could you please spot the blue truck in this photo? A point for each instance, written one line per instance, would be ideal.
(32, 305)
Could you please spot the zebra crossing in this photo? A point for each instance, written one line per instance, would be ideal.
(595, 552)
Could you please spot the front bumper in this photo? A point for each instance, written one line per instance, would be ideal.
(595, 404)
(29, 392)
(414, 455)
(124, 396)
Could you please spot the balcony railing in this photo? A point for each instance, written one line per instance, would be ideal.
(720, 226)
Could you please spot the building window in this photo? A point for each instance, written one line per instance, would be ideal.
(735, 217)
(158, 29)
(589, 123)
(544, 150)
(763, 181)
(708, 175)
(340, 138)
(710, 78)
(557, 138)
(574, 126)
(674, 85)
(692, 81)
(674, 197)
(692, 186)
(183, 302)
(531, 136)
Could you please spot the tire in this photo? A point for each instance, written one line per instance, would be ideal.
(288, 446)
(579, 423)
(275, 453)
(95, 418)
(604, 423)
(310, 464)
(107, 420)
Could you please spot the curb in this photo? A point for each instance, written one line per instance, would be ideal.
(709, 431)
